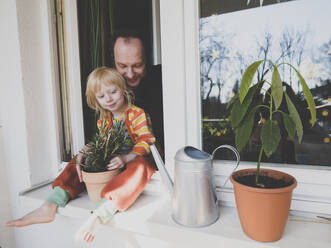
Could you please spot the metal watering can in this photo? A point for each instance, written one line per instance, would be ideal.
(194, 200)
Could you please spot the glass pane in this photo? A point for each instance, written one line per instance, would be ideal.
(98, 20)
(232, 36)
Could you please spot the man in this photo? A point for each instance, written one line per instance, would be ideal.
(144, 80)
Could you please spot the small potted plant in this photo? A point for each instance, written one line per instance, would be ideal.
(104, 145)
(263, 196)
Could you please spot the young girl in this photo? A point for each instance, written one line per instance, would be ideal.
(106, 92)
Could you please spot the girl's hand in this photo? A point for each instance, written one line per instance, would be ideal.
(116, 163)
(79, 159)
(79, 172)
(120, 161)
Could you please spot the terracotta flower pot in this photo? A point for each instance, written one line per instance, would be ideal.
(263, 212)
(95, 181)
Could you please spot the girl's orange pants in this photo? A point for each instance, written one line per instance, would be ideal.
(123, 189)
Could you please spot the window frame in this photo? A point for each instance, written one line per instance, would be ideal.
(181, 81)
(73, 75)
(36, 177)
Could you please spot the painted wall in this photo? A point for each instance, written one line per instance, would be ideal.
(6, 234)
(27, 109)
(12, 117)
(35, 42)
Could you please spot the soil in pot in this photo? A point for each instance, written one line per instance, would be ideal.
(268, 182)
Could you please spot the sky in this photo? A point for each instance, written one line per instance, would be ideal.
(242, 30)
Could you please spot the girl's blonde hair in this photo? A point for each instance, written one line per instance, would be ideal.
(105, 76)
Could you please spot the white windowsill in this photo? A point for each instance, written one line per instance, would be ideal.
(150, 217)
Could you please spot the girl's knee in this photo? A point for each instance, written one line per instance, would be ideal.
(140, 167)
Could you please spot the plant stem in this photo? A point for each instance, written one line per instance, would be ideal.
(279, 111)
(270, 108)
(258, 169)
(265, 106)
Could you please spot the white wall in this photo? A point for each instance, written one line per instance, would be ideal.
(12, 113)
(37, 81)
(6, 234)
(27, 109)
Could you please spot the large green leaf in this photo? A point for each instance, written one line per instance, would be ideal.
(244, 132)
(289, 125)
(247, 79)
(270, 137)
(239, 110)
(295, 117)
(308, 96)
(232, 101)
(276, 87)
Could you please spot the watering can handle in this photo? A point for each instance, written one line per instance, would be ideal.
(237, 156)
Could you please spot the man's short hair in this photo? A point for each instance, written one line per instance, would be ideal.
(129, 33)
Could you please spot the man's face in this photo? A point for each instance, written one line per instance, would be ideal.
(129, 60)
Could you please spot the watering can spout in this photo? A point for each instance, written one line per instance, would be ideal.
(163, 171)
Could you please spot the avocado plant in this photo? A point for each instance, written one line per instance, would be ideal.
(258, 104)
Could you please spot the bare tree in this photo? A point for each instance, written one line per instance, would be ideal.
(324, 58)
(213, 52)
(300, 44)
(264, 49)
(292, 45)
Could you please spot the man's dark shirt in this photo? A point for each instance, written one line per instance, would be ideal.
(148, 95)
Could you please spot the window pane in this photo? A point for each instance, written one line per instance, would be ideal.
(63, 98)
(98, 20)
(232, 36)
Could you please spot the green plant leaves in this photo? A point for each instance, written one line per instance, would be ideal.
(270, 137)
(308, 96)
(247, 79)
(239, 109)
(289, 125)
(104, 146)
(232, 101)
(295, 117)
(276, 87)
(244, 132)
(270, 133)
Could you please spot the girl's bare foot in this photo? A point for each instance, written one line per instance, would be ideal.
(44, 214)
(87, 231)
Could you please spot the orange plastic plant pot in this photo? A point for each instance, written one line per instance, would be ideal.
(263, 212)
